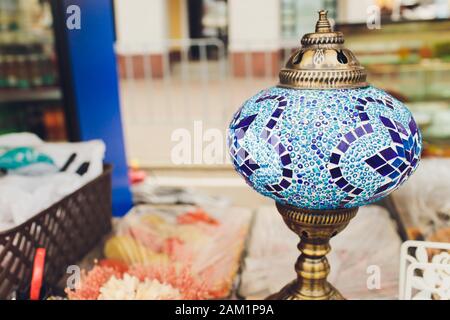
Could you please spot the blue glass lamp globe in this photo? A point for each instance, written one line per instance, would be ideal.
(324, 149)
(341, 146)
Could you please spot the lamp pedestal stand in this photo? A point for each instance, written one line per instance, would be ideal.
(315, 229)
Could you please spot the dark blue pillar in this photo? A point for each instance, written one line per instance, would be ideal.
(94, 87)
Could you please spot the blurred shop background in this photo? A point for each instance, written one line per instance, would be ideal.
(178, 62)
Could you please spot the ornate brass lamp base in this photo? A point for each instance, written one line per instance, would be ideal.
(315, 229)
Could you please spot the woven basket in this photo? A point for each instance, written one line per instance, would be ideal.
(68, 230)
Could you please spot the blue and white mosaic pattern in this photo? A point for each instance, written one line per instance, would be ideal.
(324, 149)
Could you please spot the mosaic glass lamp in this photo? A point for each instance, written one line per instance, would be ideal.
(322, 143)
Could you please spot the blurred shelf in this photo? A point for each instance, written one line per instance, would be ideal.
(44, 95)
(427, 80)
(424, 66)
(397, 26)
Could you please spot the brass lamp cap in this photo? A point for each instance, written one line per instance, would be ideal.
(323, 62)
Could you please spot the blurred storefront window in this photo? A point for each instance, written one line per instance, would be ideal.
(296, 18)
(30, 95)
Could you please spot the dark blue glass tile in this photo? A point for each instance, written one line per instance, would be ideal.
(401, 128)
(383, 188)
(252, 165)
(402, 167)
(287, 173)
(343, 146)
(385, 170)
(375, 161)
(408, 156)
(280, 98)
(277, 187)
(350, 137)
(370, 99)
(363, 116)
(246, 170)
(360, 108)
(286, 159)
(341, 183)
(335, 158)
(400, 151)
(368, 128)
(277, 113)
(271, 124)
(417, 150)
(357, 191)
(362, 101)
(278, 195)
(394, 175)
(268, 188)
(388, 154)
(412, 126)
(282, 103)
(336, 173)
(406, 144)
(246, 121)
(395, 136)
(360, 132)
(285, 184)
(387, 122)
(397, 163)
(349, 188)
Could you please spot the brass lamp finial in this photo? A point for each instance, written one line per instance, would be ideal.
(323, 24)
(323, 62)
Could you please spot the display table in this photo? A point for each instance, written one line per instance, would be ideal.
(368, 273)
(265, 263)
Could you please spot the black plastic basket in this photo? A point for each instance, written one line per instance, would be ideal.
(67, 230)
